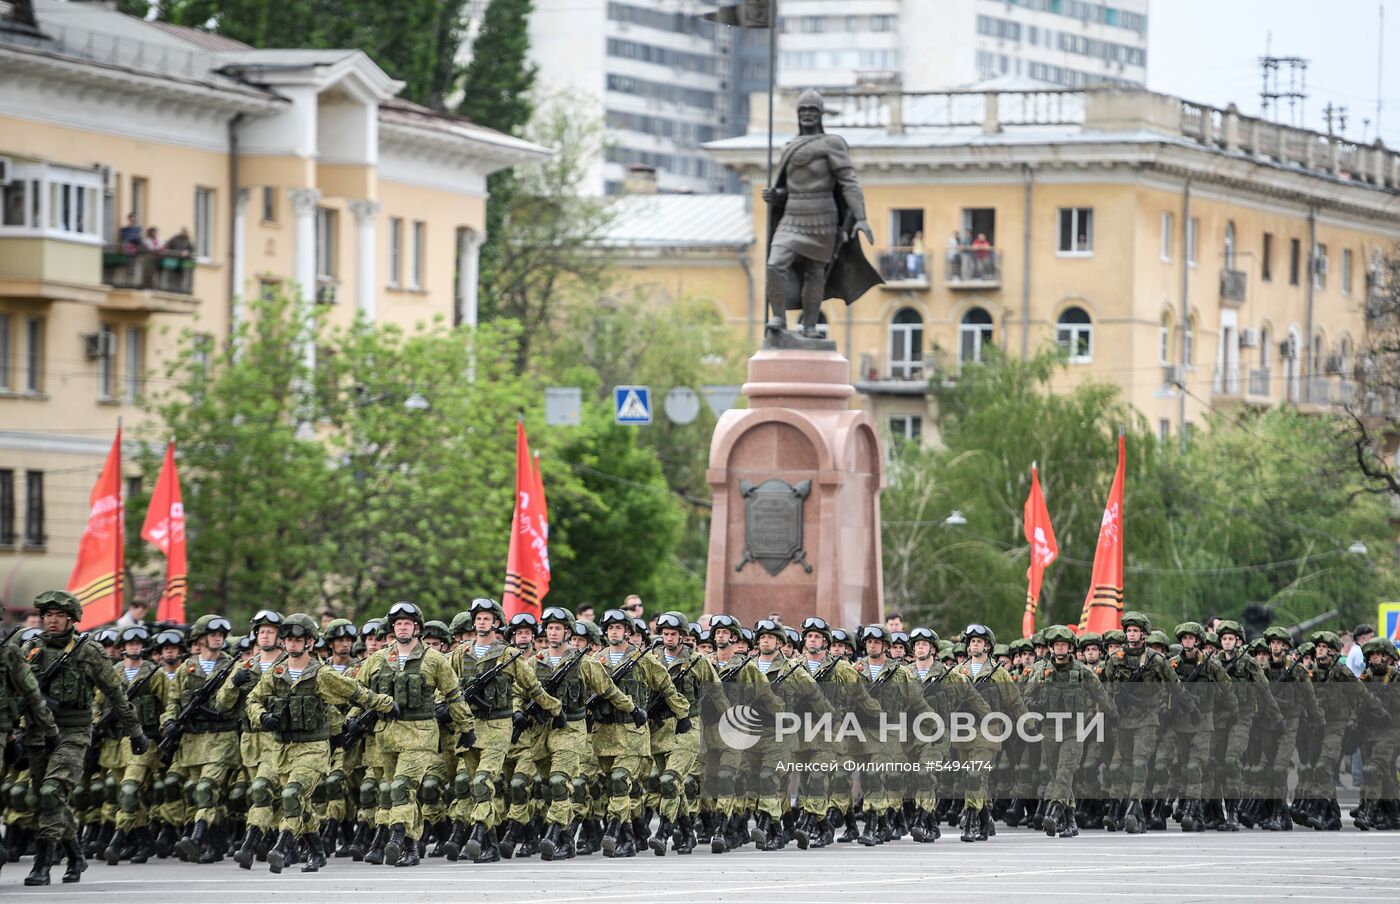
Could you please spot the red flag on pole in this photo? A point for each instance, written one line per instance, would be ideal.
(527, 565)
(1044, 550)
(1103, 606)
(165, 529)
(97, 575)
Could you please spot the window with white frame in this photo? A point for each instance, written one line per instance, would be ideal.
(6, 334)
(419, 249)
(1075, 335)
(204, 223)
(135, 362)
(1193, 236)
(1320, 267)
(1164, 430)
(50, 201)
(906, 345)
(395, 251)
(107, 362)
(326, 234)
(1168, 238)
(974, 335)
(1346, 271)
(34, 354)
(906, 427)
(1230, 245)
(1164, 340)
(1190, 342)
(1076, 230)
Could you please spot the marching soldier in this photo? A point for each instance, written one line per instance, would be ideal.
(1002, 695)
(148, 692)
(1135, 666)
(801, 693)
(1380, 739)
(20, 696)
(674, 745)
(256, 783)
(946, 691)
(1255, 704)
(1195, 720)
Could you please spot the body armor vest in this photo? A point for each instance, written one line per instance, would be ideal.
(70, 693)
(492, 701)
(408, 688)
(571, 692)
(631, 685)
(300, 705)
(196, 679)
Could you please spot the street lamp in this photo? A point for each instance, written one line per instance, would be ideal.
(956, 519)
(416, 402)
(1357, 548)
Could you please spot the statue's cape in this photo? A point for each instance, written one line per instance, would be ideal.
(849, 275)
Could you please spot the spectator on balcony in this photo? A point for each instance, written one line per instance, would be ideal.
(982, 249)
(130, 235)
(152, 240)
(915, 259)
(180, 244)
(903, 258)
(955, 246)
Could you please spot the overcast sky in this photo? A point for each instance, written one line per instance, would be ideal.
(1208, 51)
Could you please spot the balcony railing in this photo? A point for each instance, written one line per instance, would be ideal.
(880, 368)
(148, 270)
(1233, 285)
(1259, 381)
(972, 268)
(903, 265)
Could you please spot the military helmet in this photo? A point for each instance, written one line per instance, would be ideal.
(1090, 639)
(242, 644)
(1307, 648)
(1022, 645)
(134, 632)
(25, 635)
(693, 629)
(404, 609)
(170, 637)
(1114, 636)
(841, 635)
(982, 631)
(1378, 645)
(486, 604)
(1001, 649)
(874, 632)
(558, 614)
(1038, 639)
(746, 635)
(1258, 645)
(105, 636)
(1230, 626)
(1175, 649)
(791, 636)
(959, 647)
(264, 617)
(437, 628)
(579, 628)
(1056, 633)
(899, 637)
(922, 633)
(341, 627)
(615, 617)
(1275, 632)
(372, 627)
(209, 624)
(595, 634)
(1159, 638)
(1326, 637)
(945, 649)
(61, 600)
(1212, 639)
(522, 620)
(461, 624)
(724, 621)
(638, 626)
(674, 621)
(1190, 627)
(299, 625)
(1137, 620)
(705, 635)
(818, 624)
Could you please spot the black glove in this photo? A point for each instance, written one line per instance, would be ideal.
(709, 711)
(639, 717)
(561, 720)
(443, 712)
(466, 740)
(14, 751)
(140, 744)
(51, 742)
(683, 725)
(241, 677)
(520, 723)
(395, 711)
(270, 721)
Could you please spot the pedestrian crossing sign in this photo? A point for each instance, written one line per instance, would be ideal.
(632, 404)
(1388, 620)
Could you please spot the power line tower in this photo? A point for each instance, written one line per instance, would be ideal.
(1285, 79)
(1334, 114)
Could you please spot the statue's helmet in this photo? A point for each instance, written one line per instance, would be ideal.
(811, 98)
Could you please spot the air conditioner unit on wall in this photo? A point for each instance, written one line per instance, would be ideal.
(1288, 349)
(99, 345)
(1249, 338)
(4, 170)
(1173, 375)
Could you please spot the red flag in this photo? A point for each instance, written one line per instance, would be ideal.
(1044, 550)
(527, 565)
(97, 575)
(1103, 606)
(165, 529)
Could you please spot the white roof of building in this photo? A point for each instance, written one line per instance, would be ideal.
(680, 221)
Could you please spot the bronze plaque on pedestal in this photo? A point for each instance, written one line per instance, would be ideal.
(773, 524)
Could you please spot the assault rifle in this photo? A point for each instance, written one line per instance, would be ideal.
(478, 684)
(551, 684)
(47, 676)
(354, 729)
(654, 704)
(624, 669)
(104, 724)
(170, 738)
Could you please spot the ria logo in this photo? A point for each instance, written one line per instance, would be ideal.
(741, 727)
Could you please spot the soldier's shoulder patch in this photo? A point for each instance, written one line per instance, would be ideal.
(1175, 663)
(192, 668)
(1120, 654)
(32, 654)
(279, 669)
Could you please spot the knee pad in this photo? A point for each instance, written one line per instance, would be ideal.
(238, 797)
(636, 792)
(129, 797)
(90, 791)
(204, 793)
(430, 792)
(318, 793)
(482, 788)
(334, 785)
(619, 782)
(652, 783)
(692, 787)
(109, 790)
(17, 796)
(462, 785)
(51, 796)
(369, 793)
(558, 786)
(724, 781)
(385, 797)
(869, 783)
(539, 788)
(668, 784)
(1234, 773)
(519, 790)
(578, 790)
(260, 793)
(291, 800)
(400, 792)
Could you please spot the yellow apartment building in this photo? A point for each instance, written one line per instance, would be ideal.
(284, 168)
(1199, 258)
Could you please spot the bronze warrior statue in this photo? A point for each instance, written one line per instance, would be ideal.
(816, 212)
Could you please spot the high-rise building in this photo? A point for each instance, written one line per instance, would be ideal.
(657, 75)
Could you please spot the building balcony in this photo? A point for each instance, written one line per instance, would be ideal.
(173, 274)
(902, 268)
(882, 375)
(973, 268)
(43, 267)
(1233, 286)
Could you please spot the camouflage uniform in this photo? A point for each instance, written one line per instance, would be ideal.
(1138, 714)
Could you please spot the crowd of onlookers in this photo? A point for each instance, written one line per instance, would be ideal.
(135, 240)
(967, 257)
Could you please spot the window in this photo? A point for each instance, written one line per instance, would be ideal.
(1168, 239)
(140, 190)
(1346, 271)
(133, 486)
(1164, 340)
(1266, 263)
(58, 201)
(1075, 335)
(1076, 230)
(135, 362)
(325, 243)
(418, 250)
(974, 334)
(980, 221)
(395, 251)
(33, 354)
(269, 204)
(1230, 245)
(906, 428)
(906, 345)
(1319, 267)
(107, 363)
(1190, 342)
(1295, 256)
(1264, 351)
(34, 508)
(904, 225)
(7, 507)
(204, 223)
(1164, 430)
(268, 289)
(1193, 234)
(5, 330)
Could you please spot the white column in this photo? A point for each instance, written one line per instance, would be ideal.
(238, 267)
(468, 254)
(365, 288)
(304, 203)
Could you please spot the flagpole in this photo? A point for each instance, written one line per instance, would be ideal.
(772, 78)
(120, 570)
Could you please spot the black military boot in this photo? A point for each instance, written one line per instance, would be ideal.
(315, 853)
(77, 863)
(408, 852)
(986, 828)
(802, 830)
(1156, 819)
(214, 845)
(190, 846)
(1037, 820)
(550, 842)
(1050, 820)
(566, 849)
(112, 853)
(1070, 828)
(762, 829)
(1134, 820)
(248, 851)
(354, 846)
(683, 838)
(45, 853)
(476, 840)
(1232, 822)
(627, 844)
(851, 832)
(1213, 814)
(283, 852)
(664, 830)
(396, 842)
(585, 844)
(166, 837)
(530, 835)
(612, 836)
(375, 854)
(1330, 817)
(970, 823)
(1187, 809)
(870, 837)
(509, 837)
